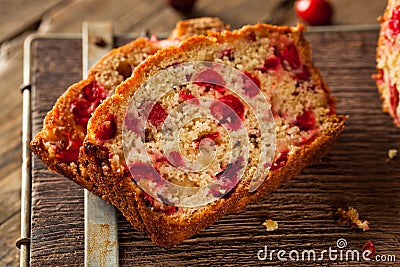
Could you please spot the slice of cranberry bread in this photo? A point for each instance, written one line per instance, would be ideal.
(151, 141)
(64, 127)
(387, 58)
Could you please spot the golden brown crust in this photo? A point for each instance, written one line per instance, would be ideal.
(59, 123)
(198, 26)
(171, 230)
(95, 162)
(139, 44)
(167, 231)
(126, 195)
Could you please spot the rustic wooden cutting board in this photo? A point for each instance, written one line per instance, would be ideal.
(355, 173)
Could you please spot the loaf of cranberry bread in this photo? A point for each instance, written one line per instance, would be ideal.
(64, 127)
(185, 139)
(387, 58)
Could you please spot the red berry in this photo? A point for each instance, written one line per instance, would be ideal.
(93, 92)
(188, 96)
(394, 22)
(87, 101)
(148, 200)
(231, 171)
(229, 178)
(270, 64)
(213, 136)
(210, 79)
(227, 53)
(108, 128)
(184, 6)
(133, 124)
(394, 100)
(306, 121)
(158, 206)
(307, 140)
(371, 248)
(280, 160)
(291, 55)
(140, 170)
(332, 106)
(304, 74)
(70, 153)
(252, 36)
(169, 209)
(185, 95)
(315, 12)
(175, 158)
(234, 103)
(157, 115)
(379, 77)
(82, 112)
(251, 87)
(222, 109)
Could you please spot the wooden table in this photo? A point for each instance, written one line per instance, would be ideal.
(19, 18)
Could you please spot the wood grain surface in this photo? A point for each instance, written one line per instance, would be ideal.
(355, 173)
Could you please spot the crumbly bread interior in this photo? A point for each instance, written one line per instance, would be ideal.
(388, 56)
(64, 127)
(277, 60)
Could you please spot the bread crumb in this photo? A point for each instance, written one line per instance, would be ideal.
(351, 217)
(355, 44)
(392, 153)
(270, 225)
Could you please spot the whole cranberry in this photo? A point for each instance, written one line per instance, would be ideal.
(185, 6)
(371, 248)
(315, 12)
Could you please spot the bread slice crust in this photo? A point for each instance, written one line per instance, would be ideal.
(124, 193)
